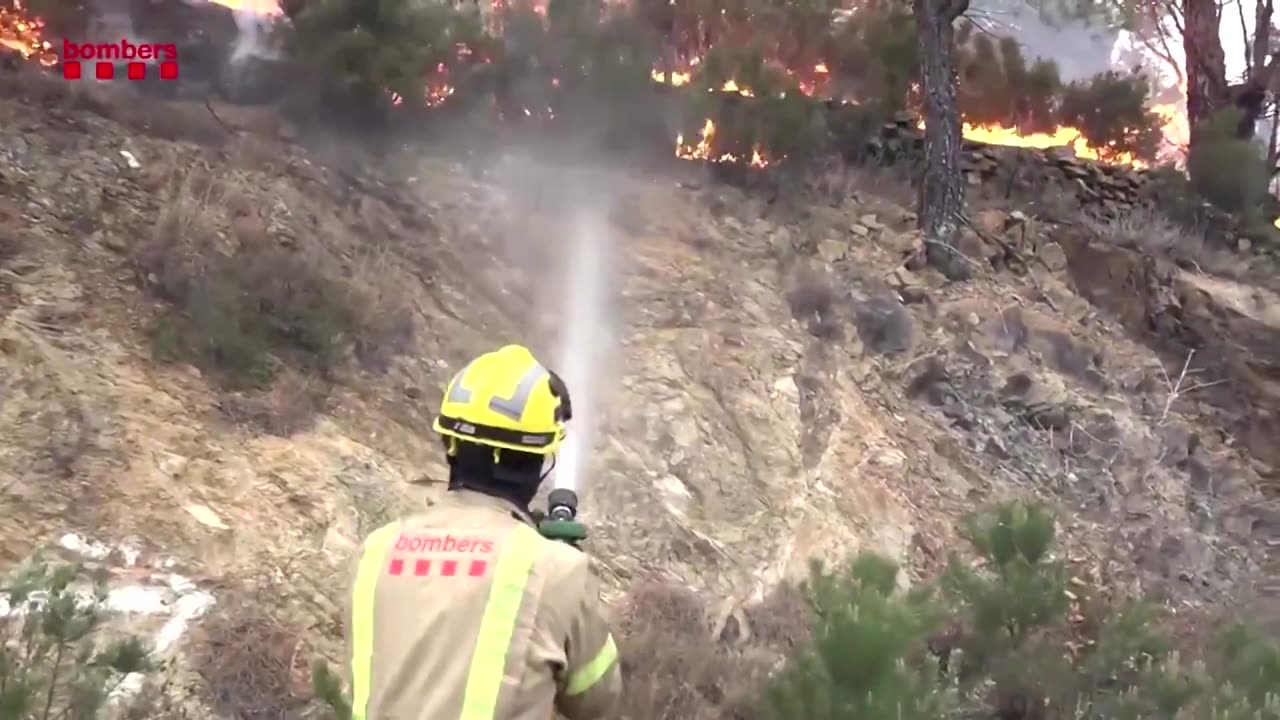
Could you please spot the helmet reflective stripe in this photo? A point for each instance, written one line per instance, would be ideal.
(362, 614)
(508, 400)
(498, 625)
(513, 407)
(458, 393)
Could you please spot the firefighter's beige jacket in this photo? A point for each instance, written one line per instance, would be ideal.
(465, 612)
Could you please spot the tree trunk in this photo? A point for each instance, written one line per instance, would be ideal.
(1206, 63)
(942, 187)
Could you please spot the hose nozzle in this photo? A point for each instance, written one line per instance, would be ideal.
(561, 522)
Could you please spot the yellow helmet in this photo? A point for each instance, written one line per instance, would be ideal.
(506, 399)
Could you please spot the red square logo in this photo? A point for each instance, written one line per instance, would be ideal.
(168, 70)
(71, 70)
(137, 71)
(104, 71)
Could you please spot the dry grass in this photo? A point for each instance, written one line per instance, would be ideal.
(891, 183)
(1152, 232)
(269, 313)
(810, 294)
(676, 665)
(246, 303)
(11, 240)
(290, 405)
(254, 667)
(10, 244)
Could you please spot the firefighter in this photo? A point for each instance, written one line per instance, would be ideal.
(464, 611)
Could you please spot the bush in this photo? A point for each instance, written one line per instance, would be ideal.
(240, 313)
(1021, 639)
(246, 658)
(378, 47)
(64, 18)
(1228, 172)
(864, 661)
(1110, 111)
(876, 57)
(1153, 232)
(54, 661)
(998, 88)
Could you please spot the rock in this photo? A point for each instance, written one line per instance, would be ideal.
(903, 277)
(871, 222)
(860, 231)
(832, 250)
(884, 325)
(909, 286)
(913, 295)
(991, 221)
(902, 242)
(972, 246)
(115, 243)
(1053, 257)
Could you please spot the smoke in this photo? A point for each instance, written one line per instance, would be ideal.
(1080, 49)
(253, 40)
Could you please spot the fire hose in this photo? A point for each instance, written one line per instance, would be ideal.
(561, 519)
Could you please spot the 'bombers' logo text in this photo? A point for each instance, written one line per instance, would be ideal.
(446, 543)
(136, 56)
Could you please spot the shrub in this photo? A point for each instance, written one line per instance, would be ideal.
(876, 56)
(1110, 111)
(997, 86)
(775, 115)
(64, 18)
(1228, 172)
(371, 49)
(864, 661)
(1153, 232)
(1020, 639)
(240, 314)
(54, 660)
(246, 657)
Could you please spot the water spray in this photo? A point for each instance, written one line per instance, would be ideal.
(580, 357)
(583, 344)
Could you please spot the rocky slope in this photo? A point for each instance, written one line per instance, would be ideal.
(782, 387)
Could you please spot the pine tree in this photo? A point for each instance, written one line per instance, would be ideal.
(52, 661)
(867, 658)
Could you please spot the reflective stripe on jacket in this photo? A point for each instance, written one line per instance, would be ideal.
(465, 612)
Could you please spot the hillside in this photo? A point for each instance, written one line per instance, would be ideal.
(783, 388)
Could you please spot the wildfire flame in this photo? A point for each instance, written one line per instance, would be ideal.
(1062, 137)
(265, 8)
(1175, 127)
(25, 35)
(701, 150)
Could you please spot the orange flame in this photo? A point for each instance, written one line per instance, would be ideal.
(1175, 128)
(266, 8)
(1062, 137)
(25, 35)
(701, 150)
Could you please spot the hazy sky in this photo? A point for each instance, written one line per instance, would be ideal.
(1082, 51)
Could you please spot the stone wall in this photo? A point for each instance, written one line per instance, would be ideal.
(1105, 190)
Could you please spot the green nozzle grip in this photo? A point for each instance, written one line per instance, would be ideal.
(570, 531)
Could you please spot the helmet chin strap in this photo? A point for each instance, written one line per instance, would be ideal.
(550, 467)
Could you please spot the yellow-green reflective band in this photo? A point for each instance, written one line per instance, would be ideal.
(588, 675)
(367, 574)
(489, 663)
